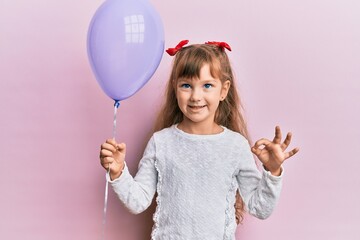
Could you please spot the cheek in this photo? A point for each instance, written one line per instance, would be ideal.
(182, 95)
(180, 99)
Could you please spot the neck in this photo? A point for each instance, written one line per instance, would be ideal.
(200, 129)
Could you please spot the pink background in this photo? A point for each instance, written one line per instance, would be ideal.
(297, 63)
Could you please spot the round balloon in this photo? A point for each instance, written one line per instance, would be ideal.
(125, 45)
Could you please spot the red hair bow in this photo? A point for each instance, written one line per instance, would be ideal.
(173, 51)
(220, 44)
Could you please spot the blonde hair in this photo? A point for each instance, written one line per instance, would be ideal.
(187, 64)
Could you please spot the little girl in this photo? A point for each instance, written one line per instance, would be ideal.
(200, 155)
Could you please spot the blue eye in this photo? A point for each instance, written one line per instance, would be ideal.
(208, 85)
(185, 85)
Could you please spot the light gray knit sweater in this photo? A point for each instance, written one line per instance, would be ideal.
(196, 177)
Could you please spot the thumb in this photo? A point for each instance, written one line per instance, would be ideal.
(256, 151)
(121, 148)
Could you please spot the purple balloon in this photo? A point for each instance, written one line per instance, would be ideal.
(125, 45)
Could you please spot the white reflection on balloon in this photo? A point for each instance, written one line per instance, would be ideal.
(134, 28)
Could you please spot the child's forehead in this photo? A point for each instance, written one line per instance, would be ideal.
(205, 70)
(201, 78)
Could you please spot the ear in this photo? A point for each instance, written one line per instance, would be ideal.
(225, 89)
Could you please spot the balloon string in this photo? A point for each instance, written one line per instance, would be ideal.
(105, 206)
(116, 106)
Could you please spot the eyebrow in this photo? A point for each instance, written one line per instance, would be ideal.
(208, 81)
(192, 80)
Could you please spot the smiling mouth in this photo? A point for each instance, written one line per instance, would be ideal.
(197, 107)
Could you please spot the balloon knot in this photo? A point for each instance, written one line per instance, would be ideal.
(117, 103)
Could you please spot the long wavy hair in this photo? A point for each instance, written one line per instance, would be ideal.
(187, 63)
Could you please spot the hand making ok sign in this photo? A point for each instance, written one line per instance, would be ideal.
(272, 153)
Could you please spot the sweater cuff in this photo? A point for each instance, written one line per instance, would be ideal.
(272, 177)
(124, 172)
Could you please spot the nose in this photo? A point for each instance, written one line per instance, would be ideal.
(196, 95)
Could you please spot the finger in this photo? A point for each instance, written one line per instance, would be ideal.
(287, 141)
(112, 142)
(257, 148)
(105, 153)
(256, 151)
(291, 153)
(106, 161)
(277, 138)
(108, 146)
(121, 148)
(262, 141)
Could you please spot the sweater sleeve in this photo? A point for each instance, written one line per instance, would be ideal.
(260, 191)
(137, 193)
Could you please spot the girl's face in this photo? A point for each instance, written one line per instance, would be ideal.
(199, 98)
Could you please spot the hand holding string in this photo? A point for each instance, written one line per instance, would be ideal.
(112, 157)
